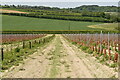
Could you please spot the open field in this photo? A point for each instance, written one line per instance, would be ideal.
(105, 26)
(26, 23)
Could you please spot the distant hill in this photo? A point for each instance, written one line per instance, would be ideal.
(89, 13)
(91, 8)
(96, 8)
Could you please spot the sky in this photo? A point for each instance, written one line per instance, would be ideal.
(61, 3)
(59, 0)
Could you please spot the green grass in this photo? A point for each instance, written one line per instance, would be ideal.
(55, 61)
(106, 26)
(27, 23)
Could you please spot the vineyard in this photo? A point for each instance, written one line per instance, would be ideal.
(60, 55)
(103, 46)
(52, 42)
(9, 38)
(16, 46)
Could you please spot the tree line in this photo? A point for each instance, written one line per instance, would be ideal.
(89, 19)
(50, 13)
(91, 8)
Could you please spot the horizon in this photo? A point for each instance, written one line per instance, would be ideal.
(62, 4)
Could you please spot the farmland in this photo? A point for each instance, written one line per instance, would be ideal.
(47, 20)
(51, 42)
(10, 38)
(62, 56)
(11, 11)
(25, 23)
(106, 26)
(102, 44)
(23, 45)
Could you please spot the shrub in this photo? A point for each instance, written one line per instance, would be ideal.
(110, 48)
(79, 46)
(84, 48)
(17, 50)
(118, 52)
(74, 42)
(94, 44)
(5, 67)
(113, 65)
(103, 46)
(89, 51)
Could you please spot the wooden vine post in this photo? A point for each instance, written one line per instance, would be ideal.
(109, 51)
(11, 48)
(104, 52)
(30, 45)
(101, 42)
(35, 41)
(119, 43)
(39, 41)
(43, 41)
(23, 44)
(87, 35)
(2, 54)
(115, 57)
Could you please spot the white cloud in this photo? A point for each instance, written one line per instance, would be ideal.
(60, 1)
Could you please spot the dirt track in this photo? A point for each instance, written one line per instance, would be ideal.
(61, 59)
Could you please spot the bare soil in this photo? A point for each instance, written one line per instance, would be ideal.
(11, 11)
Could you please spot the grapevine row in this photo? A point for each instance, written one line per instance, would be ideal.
(105, 45)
